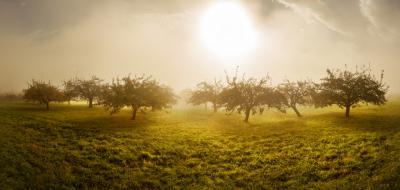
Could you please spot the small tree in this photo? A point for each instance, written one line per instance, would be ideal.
(197, 98)
(70, 90)
(43, 93)
(250, 96)
(89, 90)
(159, 96)
(295, 93)
(348, 89)
(207, 92)
(138, 93)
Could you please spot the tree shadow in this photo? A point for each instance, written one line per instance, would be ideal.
(76, 117)
(112, 123)
(369, 122)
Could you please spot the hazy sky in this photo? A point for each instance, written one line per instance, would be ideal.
(297, 39)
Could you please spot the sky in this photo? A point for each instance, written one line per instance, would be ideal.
(55, 40)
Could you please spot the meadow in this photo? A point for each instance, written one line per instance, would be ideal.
(73, 147)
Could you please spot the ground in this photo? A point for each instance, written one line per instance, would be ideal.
(73, 147)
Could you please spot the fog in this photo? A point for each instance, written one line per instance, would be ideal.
(57, 40)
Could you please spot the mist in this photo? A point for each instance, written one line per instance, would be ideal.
(54, 41)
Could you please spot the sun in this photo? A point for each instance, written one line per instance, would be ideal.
(227, 30)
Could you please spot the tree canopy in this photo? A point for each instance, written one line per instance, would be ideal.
(42, 92)
(250, 96)
(343, 88)
(89, 90)
(139, 92)
(295, 93)
(348, 89)
(207, 92)
(70, 90)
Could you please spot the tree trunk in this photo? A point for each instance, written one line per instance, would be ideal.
(215, 107)
(205, 105)
(246, 119)
(297, 111)
(90, 102)
(347, 111)
(47, 106)
(135, 109)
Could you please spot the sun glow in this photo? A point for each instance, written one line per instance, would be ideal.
(226, 29)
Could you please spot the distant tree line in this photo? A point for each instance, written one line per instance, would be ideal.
(249, 96)
(139, 93)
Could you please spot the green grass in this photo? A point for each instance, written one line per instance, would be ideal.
(72, 147)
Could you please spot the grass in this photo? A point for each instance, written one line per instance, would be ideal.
(72, 147)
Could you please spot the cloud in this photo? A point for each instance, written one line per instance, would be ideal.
(33, 16)
(43, 19)
(383, 16)
(371, 18)
(55, 40)
(304, 9)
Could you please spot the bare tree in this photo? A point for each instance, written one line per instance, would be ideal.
(207, 92)
(348, 89)
(250, 96)
(295, 93)
(139, 92)
(42, 92)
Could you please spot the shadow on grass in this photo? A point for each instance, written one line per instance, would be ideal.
(372, 119)
(113, 122)
(77, 118)
(370, 122)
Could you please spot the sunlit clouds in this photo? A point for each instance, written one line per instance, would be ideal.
(182, 42)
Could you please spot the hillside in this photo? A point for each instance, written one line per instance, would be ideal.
(73, 147)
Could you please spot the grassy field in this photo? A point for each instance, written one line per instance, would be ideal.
(72, 147)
